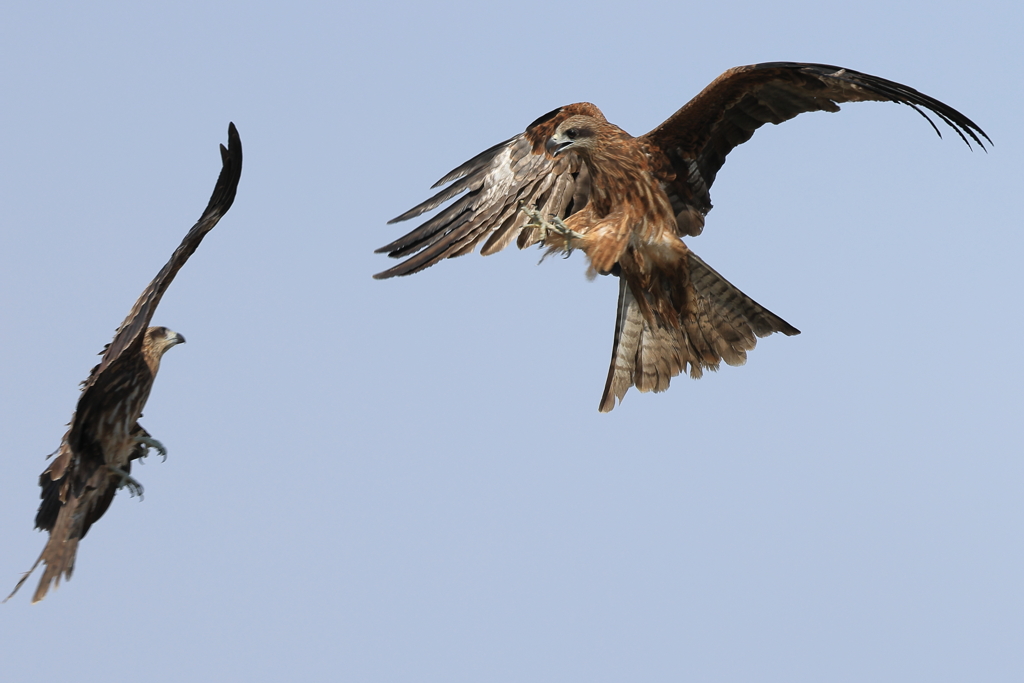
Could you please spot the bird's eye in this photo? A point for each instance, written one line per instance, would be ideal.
(572, 133)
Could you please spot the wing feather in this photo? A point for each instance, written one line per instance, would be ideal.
(691, 146)
(130, 331)
(493, 185)
(112, 380)
(76, 488)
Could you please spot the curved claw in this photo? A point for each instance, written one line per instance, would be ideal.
(545, 227)
(148, 442)
(128, 482)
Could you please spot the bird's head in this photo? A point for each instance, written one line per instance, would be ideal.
(159, 339)
(577, 133)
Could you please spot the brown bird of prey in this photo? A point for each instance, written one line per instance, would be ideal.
(573, 180)
(104, 435)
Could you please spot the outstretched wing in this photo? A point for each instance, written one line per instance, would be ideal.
(76, 488)
(494, 185)
(131, 331)
(122, 370)
(691, 146)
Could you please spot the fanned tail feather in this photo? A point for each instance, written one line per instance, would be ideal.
(722, 323)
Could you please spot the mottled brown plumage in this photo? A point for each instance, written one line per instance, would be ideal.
(104, 436)
(627, 201)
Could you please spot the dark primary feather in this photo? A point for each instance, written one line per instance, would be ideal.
(125, 349)
(494, 185)
(688, 149)
(130, 331)
(695, 140)
(77, 486)
(619, 193)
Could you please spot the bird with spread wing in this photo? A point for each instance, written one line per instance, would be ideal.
(573, 180)
(104, 435)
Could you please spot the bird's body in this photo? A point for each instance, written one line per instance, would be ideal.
(95, 455)
(104, 435)
(573, 180)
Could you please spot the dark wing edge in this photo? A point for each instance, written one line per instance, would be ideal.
(130, 331)
(893, 92)
(69, 520)
(495, 185)
(692, 144)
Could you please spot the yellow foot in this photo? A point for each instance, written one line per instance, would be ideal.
(546, 228)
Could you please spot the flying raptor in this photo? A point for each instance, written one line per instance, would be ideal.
(572, 180)
(104, 435)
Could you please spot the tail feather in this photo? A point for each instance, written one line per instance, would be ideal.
(68, 527)
(643, 356)
(58, 556)
(733, 306)
(717, 322)
(629, 333)
(660, 358)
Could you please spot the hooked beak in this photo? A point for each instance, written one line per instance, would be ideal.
(556, 145)
(178, 338)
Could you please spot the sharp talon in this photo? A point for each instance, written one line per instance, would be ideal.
(148, 442)
(556, 225)
(127, 482)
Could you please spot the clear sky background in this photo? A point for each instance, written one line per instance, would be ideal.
(409, 480)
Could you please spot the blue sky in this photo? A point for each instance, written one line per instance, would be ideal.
(409, 480)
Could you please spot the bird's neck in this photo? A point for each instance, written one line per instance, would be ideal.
(152, 355)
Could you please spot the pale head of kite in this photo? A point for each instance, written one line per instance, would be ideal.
(159, 341)
(577, 133)
(572, 180)
(104, 436)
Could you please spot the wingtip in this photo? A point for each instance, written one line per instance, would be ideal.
(234, 147)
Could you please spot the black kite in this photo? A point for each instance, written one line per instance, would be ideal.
(627, 202)
(104, 436)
